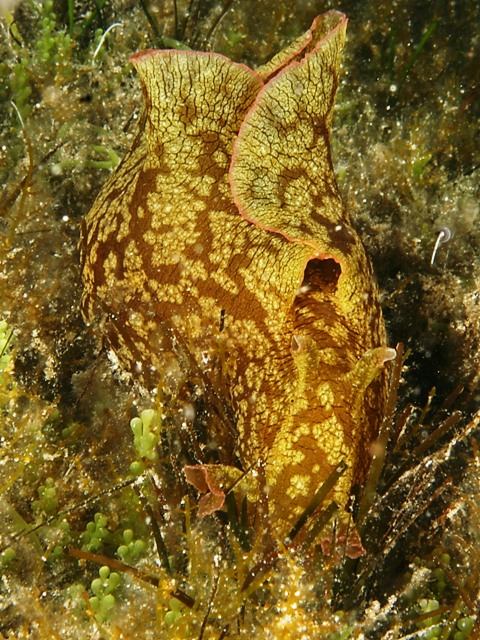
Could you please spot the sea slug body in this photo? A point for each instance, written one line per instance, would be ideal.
(224, 223)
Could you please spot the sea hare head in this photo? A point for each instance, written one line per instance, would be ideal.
(223, 230)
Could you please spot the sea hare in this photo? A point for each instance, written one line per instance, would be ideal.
(224, 225)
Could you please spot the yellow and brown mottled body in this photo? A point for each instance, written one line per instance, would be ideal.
(224, 224)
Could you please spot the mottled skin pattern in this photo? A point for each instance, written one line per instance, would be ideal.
(224, 226)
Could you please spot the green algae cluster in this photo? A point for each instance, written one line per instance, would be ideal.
(99, 536)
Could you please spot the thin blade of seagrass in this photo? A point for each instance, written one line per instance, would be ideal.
(215, 401)
(380, 446)
(183, 597)
(257, 574)
(114, 564)
(24, 530)
(237, 522)
(416, 490)
(441, 430)
(317, 500)
(210, 604)
(157, 533)
(322, 520)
